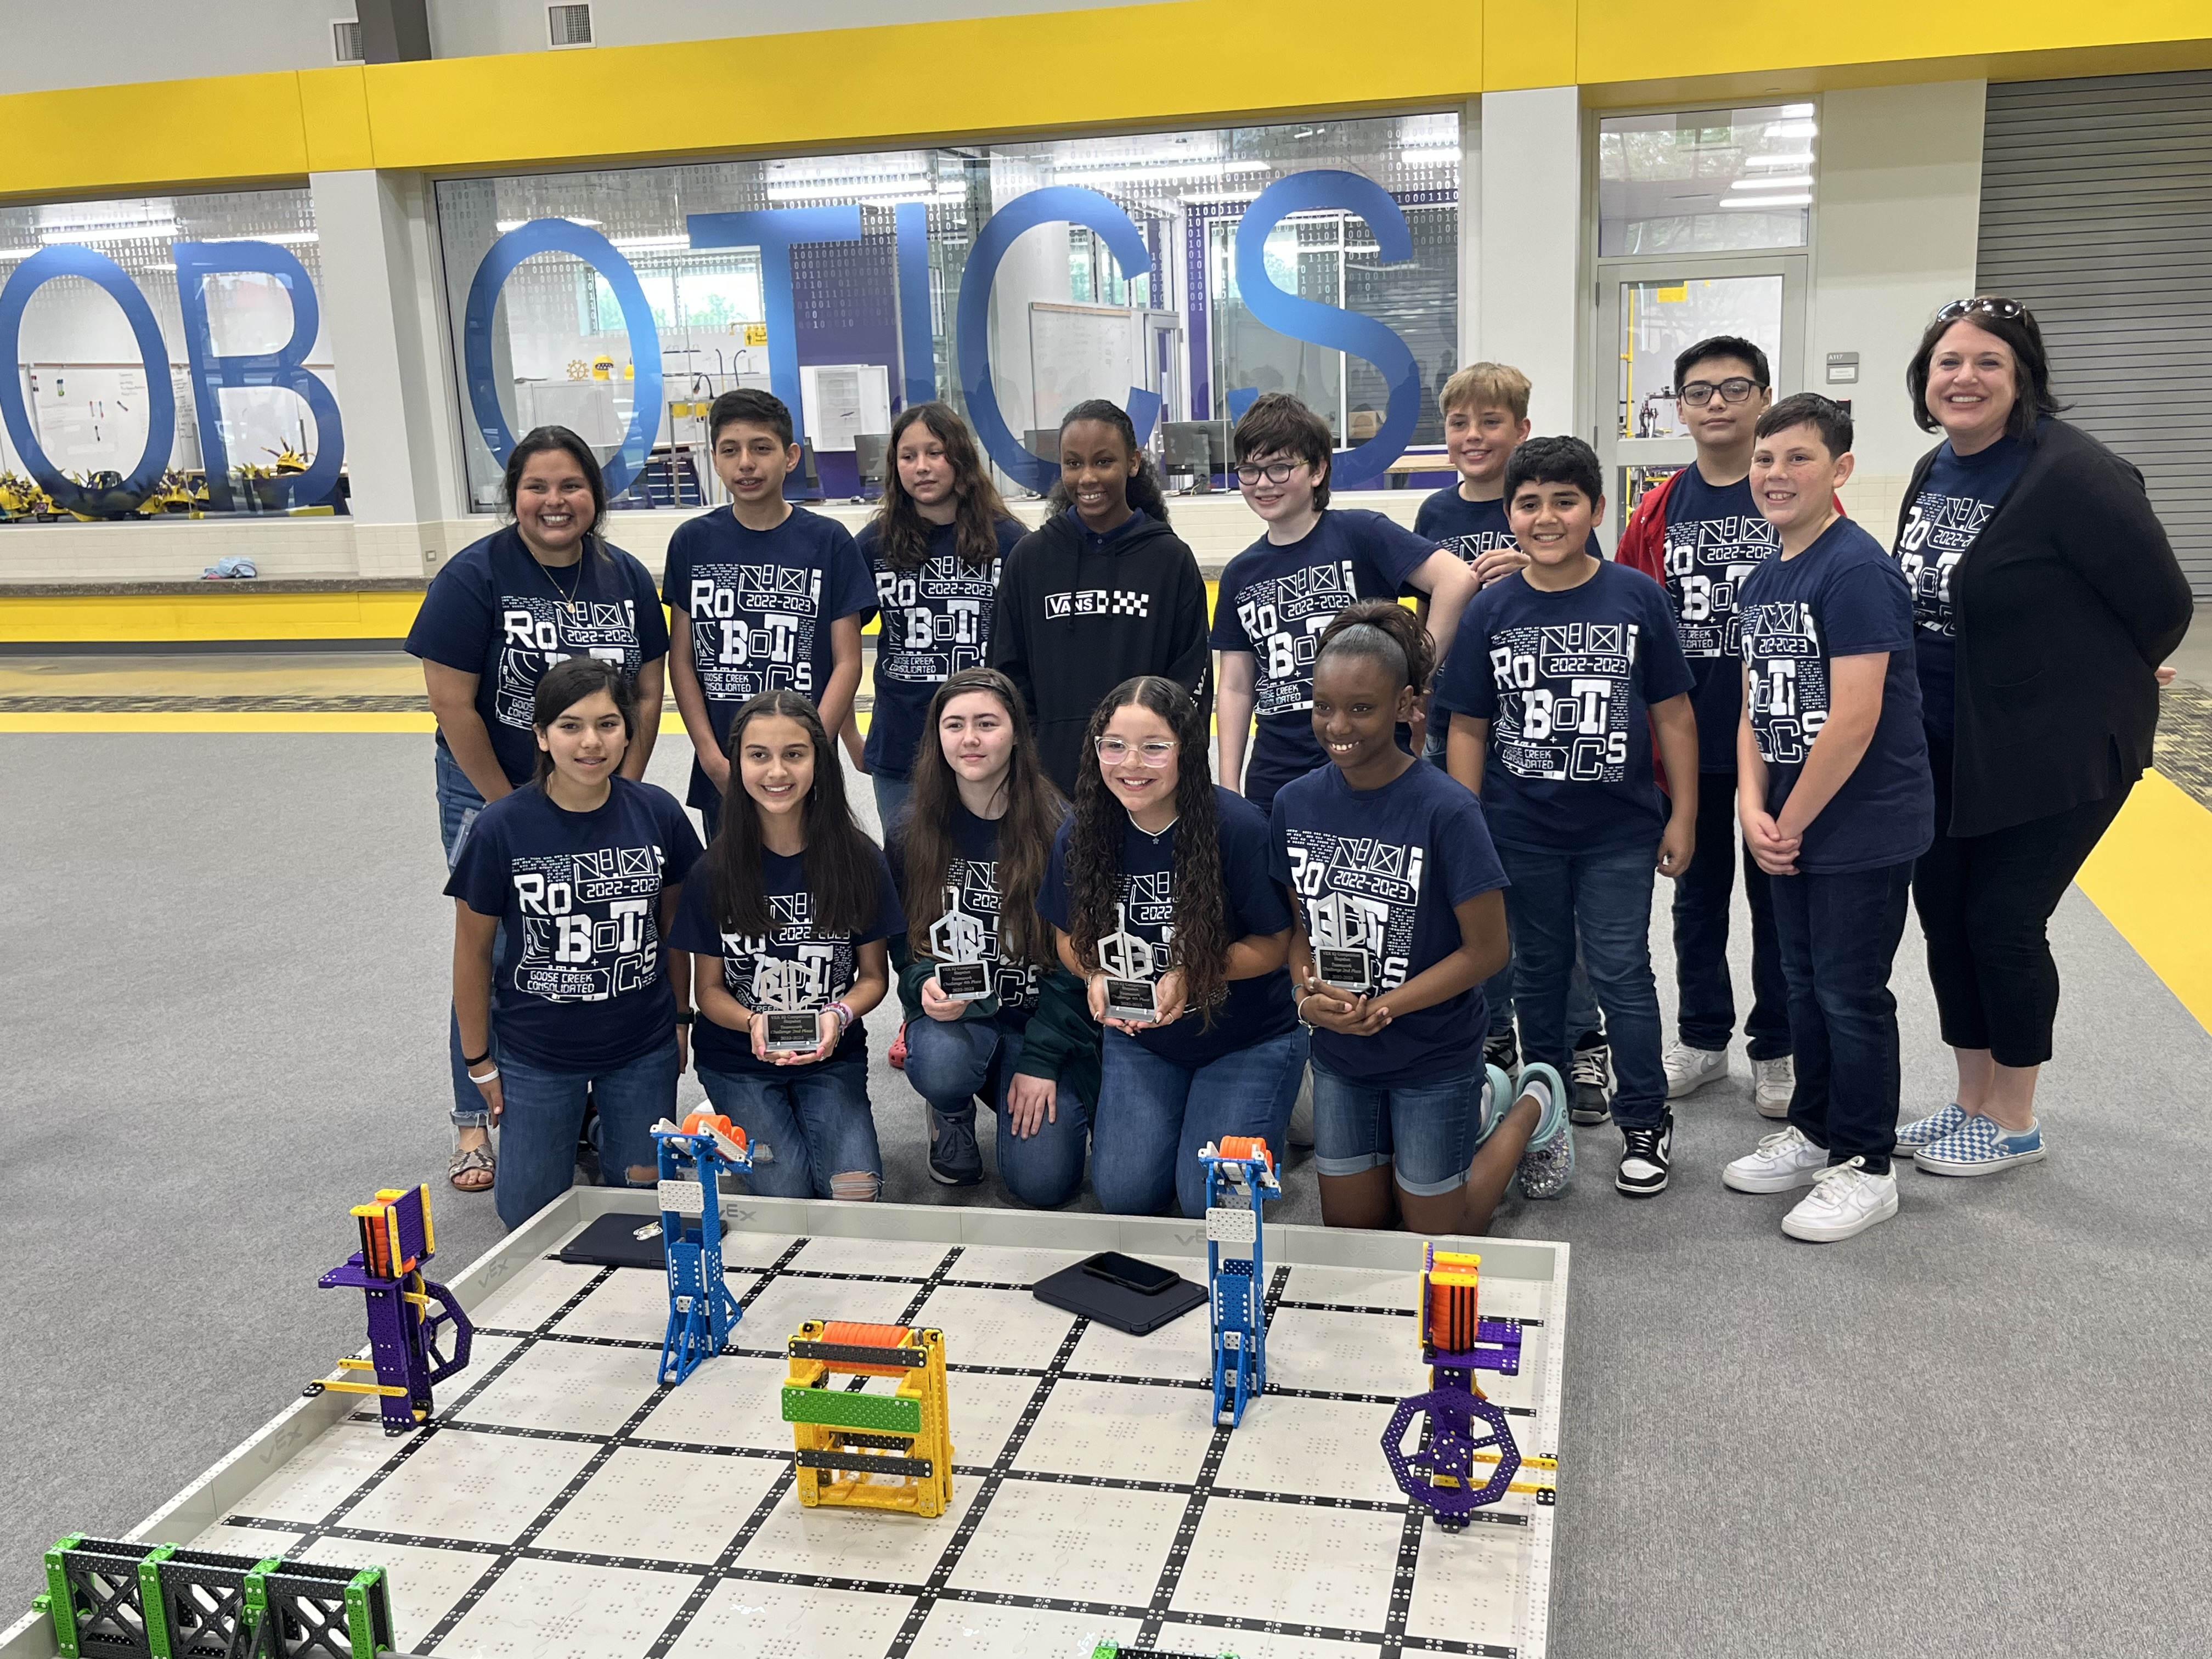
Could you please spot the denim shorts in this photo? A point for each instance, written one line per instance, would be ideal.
(1428, 1133)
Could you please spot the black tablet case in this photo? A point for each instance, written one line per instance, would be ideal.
(619, 1241)
(1073, 1290)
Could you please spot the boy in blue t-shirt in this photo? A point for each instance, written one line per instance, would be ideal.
(762, 597)
(1278, 594)
(1837, 804)
(1485, 410)
(1702, 535)
(1547, 692)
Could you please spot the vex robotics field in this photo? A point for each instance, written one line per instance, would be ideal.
(882, 1434)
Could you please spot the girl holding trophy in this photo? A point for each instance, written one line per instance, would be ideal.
(1159, 890)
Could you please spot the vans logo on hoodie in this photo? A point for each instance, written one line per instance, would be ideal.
(1097, 602)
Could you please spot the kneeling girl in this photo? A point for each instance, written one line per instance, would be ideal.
(578, 872)
(971, 850)
(1162, 866)
(1400, 918)
(794, 914)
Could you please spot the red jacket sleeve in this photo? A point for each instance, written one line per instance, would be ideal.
(1644, 542)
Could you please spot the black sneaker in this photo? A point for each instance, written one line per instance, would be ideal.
(1590, 1078)
(1644, 1158)
(954, 1158)
(1503, 1050)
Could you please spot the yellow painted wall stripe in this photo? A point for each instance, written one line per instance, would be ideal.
(2147, 876)
(191, 614)
(1185, 62)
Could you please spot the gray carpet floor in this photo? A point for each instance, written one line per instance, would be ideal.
(1976, 1431)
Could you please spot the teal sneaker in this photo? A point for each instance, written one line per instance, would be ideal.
(1981, 1148)
(1548, 1168)
(1927, 1131)
(1497, 1095)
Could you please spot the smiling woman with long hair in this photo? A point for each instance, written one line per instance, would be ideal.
(936, 548)
(1158, 863)
(971, 852)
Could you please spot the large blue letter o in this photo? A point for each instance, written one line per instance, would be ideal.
(562, 236)
(32, 274)
(1077, 206)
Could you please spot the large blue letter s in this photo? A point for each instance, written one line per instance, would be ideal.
(1077, 206)
(1326, 325)
(286, 367)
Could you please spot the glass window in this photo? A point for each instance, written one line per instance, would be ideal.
(109, 415)
(1706, 181)
(1085, 299)
(1660, 320)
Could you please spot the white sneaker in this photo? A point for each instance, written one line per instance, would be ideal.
(1846, 1200)
(1772, 1083)
(1689, 1070)
(1782, 1161)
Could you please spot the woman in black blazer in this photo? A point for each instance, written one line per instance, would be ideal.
(2044, 597)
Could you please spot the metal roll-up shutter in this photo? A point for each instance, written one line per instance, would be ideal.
(2097, 214)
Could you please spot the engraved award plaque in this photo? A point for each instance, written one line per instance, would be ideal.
(955, 940)
(1131, 964)
(781, 989)
(1342, 966)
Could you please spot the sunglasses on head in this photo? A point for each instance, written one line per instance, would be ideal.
(1984, 306)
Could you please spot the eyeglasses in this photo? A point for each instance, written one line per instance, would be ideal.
(1154, 752)
(1275, 471)
(1734, 390)
(1989, 305)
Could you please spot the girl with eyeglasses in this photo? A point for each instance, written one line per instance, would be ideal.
(1104, 591)
(2044, 597)
(1159, 890)
(970, 853)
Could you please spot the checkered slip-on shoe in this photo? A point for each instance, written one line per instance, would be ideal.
(1979, 1147)
(1927, 1131)
(1548, 1168)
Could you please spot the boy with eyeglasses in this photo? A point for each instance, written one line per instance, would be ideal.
(1279, 594)
(1701, 534)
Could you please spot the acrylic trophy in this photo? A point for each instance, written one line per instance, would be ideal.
(1342, 967)
(780, 989)
(1130, 964)
(955, 940)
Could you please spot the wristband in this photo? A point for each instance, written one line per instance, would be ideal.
(845, 1018)
(683, 1016)
(479, 1060)
(487, 1077)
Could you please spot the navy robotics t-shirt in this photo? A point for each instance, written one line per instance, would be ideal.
(1567, 680)
(1256, 1010)
(1381, 870)
(495, 612)
(1840, 598)
(973, 876)
(1471, 529)
(936, 622)
(581, 986)
(1955, 500)
(796, 966)
(1716, 538)
(761, 603)
(1276, 601)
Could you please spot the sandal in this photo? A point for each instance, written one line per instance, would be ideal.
(468, 1163)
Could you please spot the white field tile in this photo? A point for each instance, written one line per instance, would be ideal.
(486, 1487)
(422, 1583)
(871, 1545)
(977, 1629)
(1296, 1563)
(744, 1619)
(558, 1610)
(732, 1399)
(1313, 1448)
(995, 1327)
(1100, 1546)
(662, 1506)
(568, 1387)
(1110, 1428)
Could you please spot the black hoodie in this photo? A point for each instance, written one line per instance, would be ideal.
(1078, 614)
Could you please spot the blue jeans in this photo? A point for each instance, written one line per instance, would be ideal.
(458, 803)
(1581, 1004)
(1600, 902)
(1707, 1014)
(890, 798)
(1153, 1116)
(1428, 1133)
(814, 1120)
(950, 1063)
(1839, 936)
(544, 1112)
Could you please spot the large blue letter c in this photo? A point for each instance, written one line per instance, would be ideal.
(1077, 206)
(563, 236)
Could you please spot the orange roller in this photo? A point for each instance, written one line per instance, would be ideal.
(699, 1121)
(853, 1333)
(1248, 1146)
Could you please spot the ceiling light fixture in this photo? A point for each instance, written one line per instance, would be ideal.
(1767, 202)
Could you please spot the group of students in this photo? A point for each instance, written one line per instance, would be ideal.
(1446, 808)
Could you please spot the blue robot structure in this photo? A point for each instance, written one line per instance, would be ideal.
(703, 1314)
(1240, 1176)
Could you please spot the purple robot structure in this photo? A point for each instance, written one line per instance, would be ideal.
(408, 1314)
